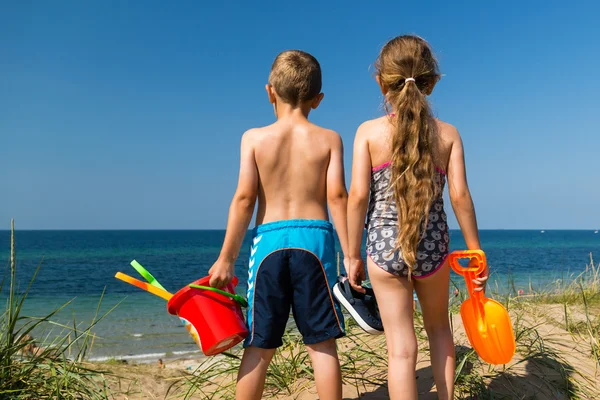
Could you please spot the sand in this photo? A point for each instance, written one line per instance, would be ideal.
(550, 363)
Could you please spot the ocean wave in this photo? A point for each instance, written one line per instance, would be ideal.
(180, 353)
(129, 357)
(147, 357)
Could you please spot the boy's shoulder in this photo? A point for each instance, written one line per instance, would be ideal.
(253, 135)
(326, 133)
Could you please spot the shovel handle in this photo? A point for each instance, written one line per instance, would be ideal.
(478, 255)
(470, 273)
(144, 286)
(147, 275)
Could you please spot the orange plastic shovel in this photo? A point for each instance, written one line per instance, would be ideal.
(486, 321)
(145, 286)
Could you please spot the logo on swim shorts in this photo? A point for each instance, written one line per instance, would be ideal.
(251, 272)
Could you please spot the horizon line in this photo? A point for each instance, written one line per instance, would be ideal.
(249, 229)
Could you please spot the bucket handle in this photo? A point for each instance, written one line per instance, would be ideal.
(236, 297)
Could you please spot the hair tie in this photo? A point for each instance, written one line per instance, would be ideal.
(409, 79)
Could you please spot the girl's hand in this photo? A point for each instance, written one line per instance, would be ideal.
(221, 273)
(356, 274)
(480, 281)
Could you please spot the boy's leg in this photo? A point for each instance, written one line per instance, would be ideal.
(318, 317)
(328, 374)
(269, 298)
(252, 373)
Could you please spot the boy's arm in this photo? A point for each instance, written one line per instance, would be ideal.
(358, 203)
(337, 195)
(240, 214)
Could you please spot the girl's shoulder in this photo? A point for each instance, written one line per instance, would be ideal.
(373, 127)
(446, 131)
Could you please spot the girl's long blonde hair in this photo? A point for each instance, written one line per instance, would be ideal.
(407, 68)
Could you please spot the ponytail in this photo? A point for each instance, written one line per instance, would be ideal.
(409, 71)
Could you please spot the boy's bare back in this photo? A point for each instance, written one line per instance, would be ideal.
(292, 158)
(295, 169)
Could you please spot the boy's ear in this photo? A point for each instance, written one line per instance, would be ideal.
(270, 93)
(316, 101)
(383, 88)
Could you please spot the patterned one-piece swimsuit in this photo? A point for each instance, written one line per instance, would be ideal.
(382, 228)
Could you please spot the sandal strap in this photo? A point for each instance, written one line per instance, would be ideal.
(348, 290)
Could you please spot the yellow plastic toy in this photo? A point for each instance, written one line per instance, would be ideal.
(486, 321)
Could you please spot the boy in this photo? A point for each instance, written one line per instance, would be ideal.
(295, 168)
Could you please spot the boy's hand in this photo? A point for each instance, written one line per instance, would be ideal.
(221, 273)
(356, 274)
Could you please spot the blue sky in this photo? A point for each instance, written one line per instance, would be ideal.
(122, 115)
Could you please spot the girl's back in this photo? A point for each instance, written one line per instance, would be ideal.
(383, 216)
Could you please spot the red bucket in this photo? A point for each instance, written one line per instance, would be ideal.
(215, 321)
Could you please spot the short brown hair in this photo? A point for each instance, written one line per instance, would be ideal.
(296, 77)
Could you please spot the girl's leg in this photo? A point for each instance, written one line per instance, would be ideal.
(395, 300)
(252, 373)
(328, 375)
(433, 297)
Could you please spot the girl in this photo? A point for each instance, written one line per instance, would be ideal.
(401, 160)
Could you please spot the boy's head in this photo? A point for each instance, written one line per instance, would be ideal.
(296, 79)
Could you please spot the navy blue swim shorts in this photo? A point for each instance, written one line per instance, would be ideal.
(292, 265)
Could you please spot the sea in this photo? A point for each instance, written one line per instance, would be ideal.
(77, 269)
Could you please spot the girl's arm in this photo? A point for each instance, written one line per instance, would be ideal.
(358, 201)
(462, 203)
(240, 214)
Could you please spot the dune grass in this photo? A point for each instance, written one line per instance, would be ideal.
(30, 370)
